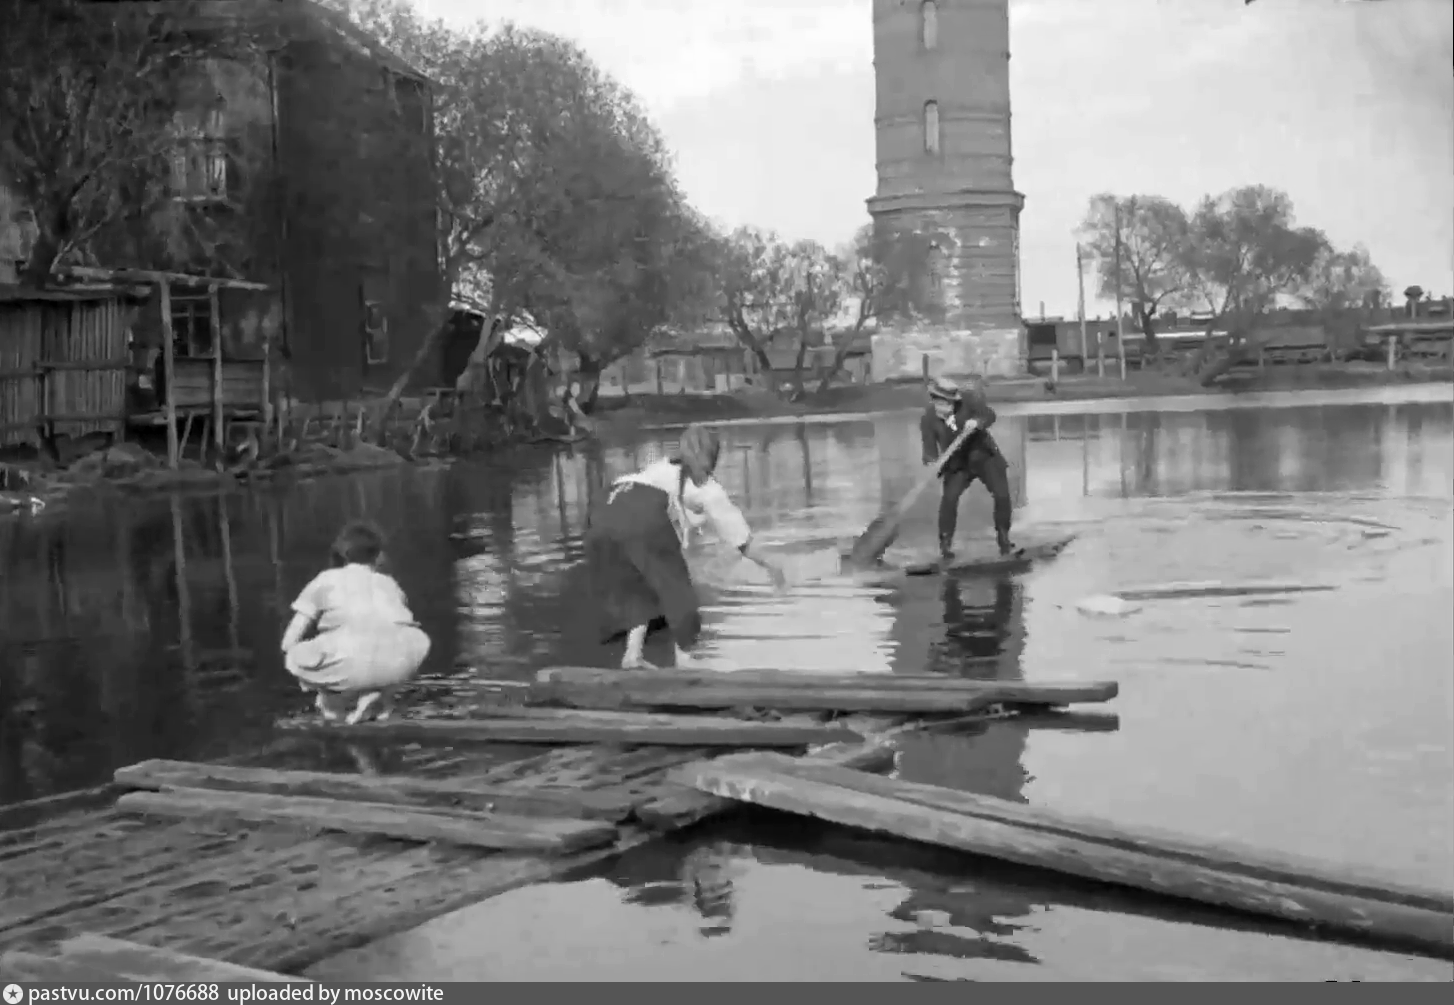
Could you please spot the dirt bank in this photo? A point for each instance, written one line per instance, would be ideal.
(644, 410)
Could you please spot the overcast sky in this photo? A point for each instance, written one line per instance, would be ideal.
(1348, 106)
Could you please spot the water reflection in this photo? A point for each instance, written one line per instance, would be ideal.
(149, 628)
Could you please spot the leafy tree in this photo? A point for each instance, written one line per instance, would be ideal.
(1245, 253)
(1147, 236)
(556, 200)
(88, 93)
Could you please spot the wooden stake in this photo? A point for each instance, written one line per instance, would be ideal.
(218, 429)
(169, 373)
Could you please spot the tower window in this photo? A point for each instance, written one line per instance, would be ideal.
(929, 24)
(931, 127)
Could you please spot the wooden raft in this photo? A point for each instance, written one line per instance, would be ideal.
(281, 899)
(924, 694)
(1226, 875)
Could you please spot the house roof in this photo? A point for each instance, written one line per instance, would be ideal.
(11, 294)
(306, 14)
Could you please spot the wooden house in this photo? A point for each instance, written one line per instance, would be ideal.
(63, 363)
(310, 159)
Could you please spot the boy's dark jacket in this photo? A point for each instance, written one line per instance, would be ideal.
(936, 434)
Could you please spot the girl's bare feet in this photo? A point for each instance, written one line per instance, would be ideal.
(325, 709)
(365, 706)
(632, 662)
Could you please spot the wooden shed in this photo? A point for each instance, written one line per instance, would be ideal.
(63, 362)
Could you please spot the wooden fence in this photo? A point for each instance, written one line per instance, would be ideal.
(63, 363)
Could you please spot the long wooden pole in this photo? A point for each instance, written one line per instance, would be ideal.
(169, 373)
(1120, 329)
(184, 590)
(1080, 307)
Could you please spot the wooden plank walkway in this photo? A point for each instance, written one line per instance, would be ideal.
(261, 895)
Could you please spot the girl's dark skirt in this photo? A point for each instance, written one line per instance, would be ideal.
(636, 570)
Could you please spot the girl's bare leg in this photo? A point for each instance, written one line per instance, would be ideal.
(686, 659)
(635, 641)
(366, 703)
(328, 706)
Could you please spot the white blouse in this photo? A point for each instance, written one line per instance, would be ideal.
(690, 505)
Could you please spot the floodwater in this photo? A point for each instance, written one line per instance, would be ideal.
(1311, 722)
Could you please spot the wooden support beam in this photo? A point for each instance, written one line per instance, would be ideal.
(476, 830)
(395, 790)
(1225, 874)
(169, 373)
(642, 729)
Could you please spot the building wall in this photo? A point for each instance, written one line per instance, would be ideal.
(959, 194)
(359, 218)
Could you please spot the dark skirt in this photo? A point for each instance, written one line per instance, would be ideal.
(636, 570)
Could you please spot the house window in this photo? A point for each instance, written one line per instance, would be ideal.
(199, 156)
(375, 333)
(931, 127)
(929, 24)
(191, 325)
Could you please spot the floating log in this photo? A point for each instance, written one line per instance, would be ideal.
(642, 729)
(476, 830)
(395, 790)
(116, 959)
(591, 688)
(1191, 591)
(1227, 875)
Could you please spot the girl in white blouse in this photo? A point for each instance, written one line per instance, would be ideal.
(365, 641)
(638, 573)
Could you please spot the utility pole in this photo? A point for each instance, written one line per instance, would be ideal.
(1120, 328)
(1080, 308)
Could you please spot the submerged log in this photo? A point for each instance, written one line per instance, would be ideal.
(129, 961)
(476, 830)
(588, 687)
(643, 729)
(1227, 875)
(395, 790)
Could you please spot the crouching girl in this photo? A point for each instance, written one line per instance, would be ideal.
(364, 642)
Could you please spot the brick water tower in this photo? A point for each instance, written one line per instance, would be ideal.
(942, 123)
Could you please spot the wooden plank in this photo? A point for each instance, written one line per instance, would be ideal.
(729, 695)
(1228, 875)
(133, 962)
(476, 830)
(165, 776)
(641, 729)
(680, 805)
(997, 691)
